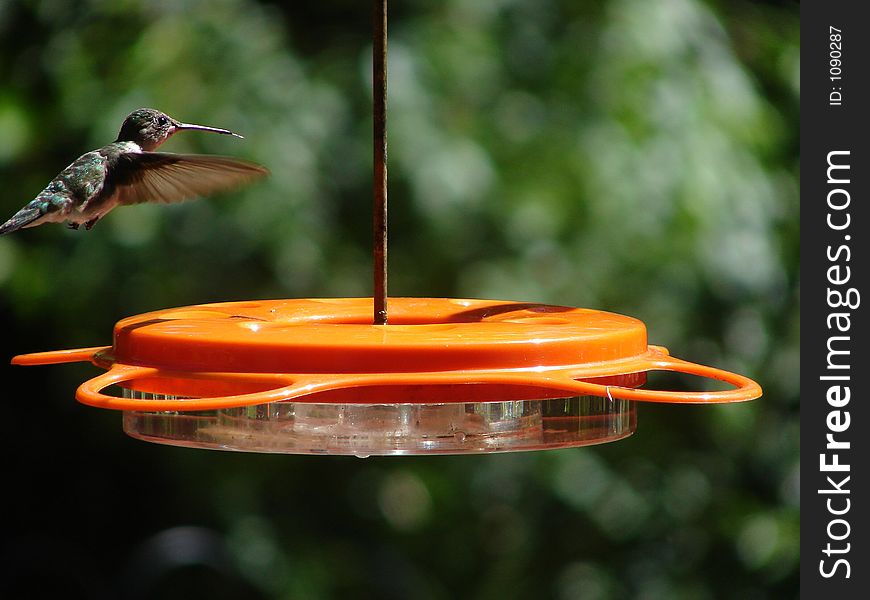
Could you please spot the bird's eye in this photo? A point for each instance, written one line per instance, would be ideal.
(162, 121)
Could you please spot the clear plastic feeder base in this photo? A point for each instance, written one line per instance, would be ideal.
(390, 429)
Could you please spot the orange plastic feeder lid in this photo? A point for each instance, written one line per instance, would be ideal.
(236, 354)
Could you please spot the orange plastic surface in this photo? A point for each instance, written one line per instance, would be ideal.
(326, 350)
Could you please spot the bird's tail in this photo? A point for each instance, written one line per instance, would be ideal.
(24, 217)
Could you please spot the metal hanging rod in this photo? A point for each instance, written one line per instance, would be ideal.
(379, 187)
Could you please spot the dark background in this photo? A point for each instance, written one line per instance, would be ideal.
(632, 156)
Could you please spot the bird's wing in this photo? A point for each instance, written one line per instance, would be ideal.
(164, 177)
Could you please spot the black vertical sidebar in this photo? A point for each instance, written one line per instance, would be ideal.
(835, 364)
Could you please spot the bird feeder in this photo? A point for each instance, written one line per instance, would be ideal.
(347, 376)
(446, 375)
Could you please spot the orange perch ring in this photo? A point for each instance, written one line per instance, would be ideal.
(235, 354)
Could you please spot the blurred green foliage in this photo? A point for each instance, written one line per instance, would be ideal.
(626, 155)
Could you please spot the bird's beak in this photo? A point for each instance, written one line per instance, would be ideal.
(190, 126)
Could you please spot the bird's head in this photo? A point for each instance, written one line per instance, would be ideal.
(149, 128)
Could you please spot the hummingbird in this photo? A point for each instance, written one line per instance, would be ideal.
(128, 171)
